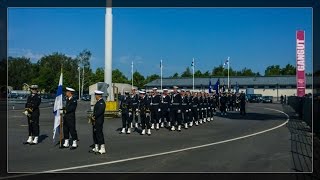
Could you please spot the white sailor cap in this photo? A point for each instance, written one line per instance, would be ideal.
(165, 90)
(154, 88)
(142, 92)
(97, 92)
(34, 86)
(70, 89)
(134, 88)
(175, 87)
(182, 90)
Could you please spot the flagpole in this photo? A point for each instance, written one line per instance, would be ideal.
(193, 74)
(161, 72)
(79, 82)
(61, 129)
(132, 75)
(228, 74)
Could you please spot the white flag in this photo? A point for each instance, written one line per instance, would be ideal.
(57, 107)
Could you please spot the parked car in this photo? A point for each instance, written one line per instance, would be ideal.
(86, 97)
(267, 99)
(254, 98)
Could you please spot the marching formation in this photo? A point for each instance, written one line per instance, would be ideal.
(181, 108)
(176, 110)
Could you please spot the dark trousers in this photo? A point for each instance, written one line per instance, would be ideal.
(231, 106)
(165, 115)
(155, 114)
(136, 119)
(204, 112)
(98, 136)
(185, 114)
(210, 112)
(126, 119)
(145, 120)
(242, 109)
(176, 116)
(195, 114)
(33, 125)
(223, 108)
(237, 105)
(69, 127)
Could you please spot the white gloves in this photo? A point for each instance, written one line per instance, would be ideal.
(159, 110)
(25, 113)
(179, 111)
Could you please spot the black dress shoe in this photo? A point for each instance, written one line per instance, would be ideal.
(33, 143)
(73, 148)
(25, 143)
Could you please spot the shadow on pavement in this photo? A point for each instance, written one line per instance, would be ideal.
(42, 137)
(252, 116)
(301, 146)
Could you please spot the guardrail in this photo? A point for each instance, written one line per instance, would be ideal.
(303, 106)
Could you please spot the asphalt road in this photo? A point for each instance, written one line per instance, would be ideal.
(283, 149)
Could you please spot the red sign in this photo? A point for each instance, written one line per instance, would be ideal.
(300, 56)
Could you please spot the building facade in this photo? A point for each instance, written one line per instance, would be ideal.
(266, 85)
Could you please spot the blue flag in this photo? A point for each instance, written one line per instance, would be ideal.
(216, 86)
(210, 89)
(56, 108)
(237, 87)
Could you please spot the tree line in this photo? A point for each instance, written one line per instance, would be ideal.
(46, 72)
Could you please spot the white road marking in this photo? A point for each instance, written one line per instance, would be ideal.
(158, 154)
(175, 151)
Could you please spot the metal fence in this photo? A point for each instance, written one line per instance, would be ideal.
(303, 106)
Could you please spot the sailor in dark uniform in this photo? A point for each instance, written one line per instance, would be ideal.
(189, 107)
(184, 108)
(97, 123)
(126, 113)
(223, 104)
(237, 102)
(210, 107)
(214, 101)
(242, 103)
(69, 119)
(33, 113)
(135, 101)
(155, 109)
(194, 109)
(144, 108)
(176, 113)
(165, 108)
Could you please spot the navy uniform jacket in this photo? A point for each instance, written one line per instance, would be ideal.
(242, 100)
(155, 100)
(195, 102)
(33, 102)
(165, 103)
(126, 104)
(135, 101)
(189, 98)
(223, 100)
(144, 104)
(98, 111)
(70, 109)
(176, 101)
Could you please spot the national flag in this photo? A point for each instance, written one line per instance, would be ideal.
(237, 87)
(210, 90)
(216, 86)
(226, 62)
(57, 107)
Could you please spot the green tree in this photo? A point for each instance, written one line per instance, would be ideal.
(218, 71)
(247, 72)
(83, 60)
(138, 80)
(206, 74)
(187, 73)
(151, 78)
(198, 74)
(175, 75)
(19, 71)
(50, 68)
(273, 70)
(119, 77)
(288, 70)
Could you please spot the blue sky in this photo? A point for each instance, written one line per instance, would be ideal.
(253, 37)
